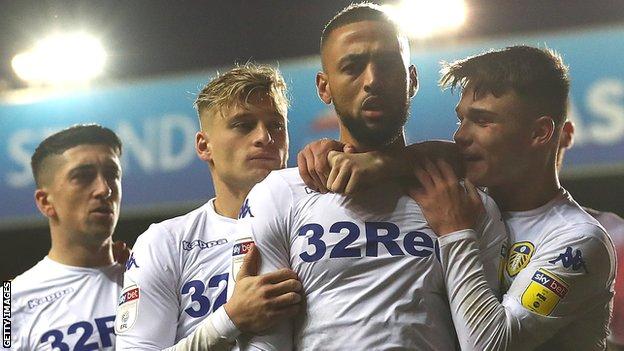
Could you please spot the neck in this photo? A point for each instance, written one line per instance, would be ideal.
(347, 138)
(527, 194)
(229, 198)
(79, 254)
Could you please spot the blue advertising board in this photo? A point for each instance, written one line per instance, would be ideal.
(157, 123)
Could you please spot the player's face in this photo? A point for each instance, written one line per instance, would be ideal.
(85, 192)
(368, 78)
(248, 142)
(493, 139)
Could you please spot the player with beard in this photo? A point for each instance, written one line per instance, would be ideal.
(367, 263)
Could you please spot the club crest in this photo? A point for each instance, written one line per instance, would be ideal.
(519, 256)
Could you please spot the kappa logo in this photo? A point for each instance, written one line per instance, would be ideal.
(519, 256)
(33, 303)
(245, 210)
(131, 262)
(189, 245)
(568, 260)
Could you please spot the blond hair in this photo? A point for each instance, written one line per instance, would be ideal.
(236, 85)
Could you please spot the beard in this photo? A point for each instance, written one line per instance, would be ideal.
(390, 128)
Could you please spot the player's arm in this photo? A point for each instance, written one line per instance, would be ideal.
(265, 220)
(327, 165)
(148, 308)
(530, 312)
(258, 302)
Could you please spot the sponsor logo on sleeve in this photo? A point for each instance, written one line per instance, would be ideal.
(569, 260)
(240, 249)
(245, 210)
(127, 309)
(544, 292)
(519, 256)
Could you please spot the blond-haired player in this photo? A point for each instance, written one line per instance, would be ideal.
(176, 283)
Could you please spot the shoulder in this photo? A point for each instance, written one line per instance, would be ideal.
(576, 239)
(288, 178)
(30, 279)
(570, 222)
(175, 229)
(280, 186)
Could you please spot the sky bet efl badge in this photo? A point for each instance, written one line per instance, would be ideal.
(519, 257)
(240, 249)
(128, 306)
(544, 292)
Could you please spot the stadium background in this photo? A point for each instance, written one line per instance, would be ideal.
(160, 53)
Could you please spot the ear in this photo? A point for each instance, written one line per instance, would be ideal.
(322, 87)
(567, 135)
(543, 130)
(413, 77)
(203, 146)
(45, 206)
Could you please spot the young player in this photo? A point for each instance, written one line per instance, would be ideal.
(175, 286)
(561, 263)
(67, 300)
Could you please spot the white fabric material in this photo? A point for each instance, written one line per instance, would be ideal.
(578, 320)
(180, 267)
(367, 264)
(55, 305)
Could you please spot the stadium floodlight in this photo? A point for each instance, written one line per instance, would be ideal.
(422, 19)
(61, 59)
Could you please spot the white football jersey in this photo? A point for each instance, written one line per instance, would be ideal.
(367, 264)
(60, 307)
(176, 277)
(560, 273)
